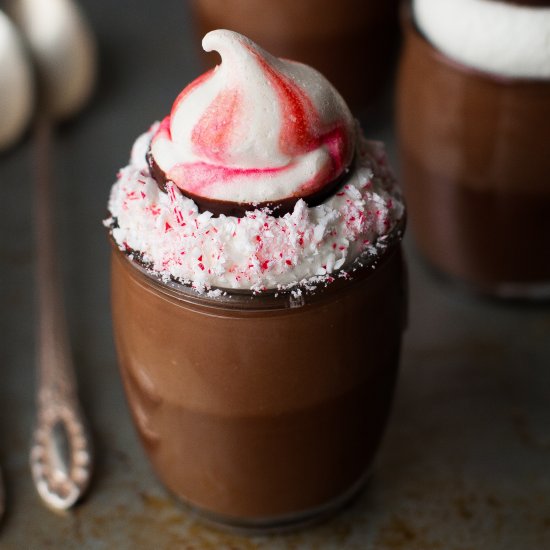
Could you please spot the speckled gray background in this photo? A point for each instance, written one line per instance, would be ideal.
(465, 463)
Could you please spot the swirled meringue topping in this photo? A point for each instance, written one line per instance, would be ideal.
(220, 194)
(256, 131)
(165, 232)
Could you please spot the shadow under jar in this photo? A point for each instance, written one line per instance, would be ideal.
(475, 165)
(352, 42)
(261, 411)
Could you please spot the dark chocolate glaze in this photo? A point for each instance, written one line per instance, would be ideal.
(239, 209)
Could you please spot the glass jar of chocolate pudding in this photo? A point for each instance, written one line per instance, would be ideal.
(352, 42)
(261, 411)
(476, 166)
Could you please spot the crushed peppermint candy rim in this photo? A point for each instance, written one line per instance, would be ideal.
(292, 296)
(166, 233)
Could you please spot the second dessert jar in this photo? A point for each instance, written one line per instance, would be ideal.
(473, 122)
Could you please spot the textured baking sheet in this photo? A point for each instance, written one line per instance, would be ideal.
(465, 463)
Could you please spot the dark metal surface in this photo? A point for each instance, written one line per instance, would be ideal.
(465, 463)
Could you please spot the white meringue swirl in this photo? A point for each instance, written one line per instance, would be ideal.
(255, 129)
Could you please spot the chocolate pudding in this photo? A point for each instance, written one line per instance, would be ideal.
(352, 42)
(258, 409)
(475, 166)
(257, 291)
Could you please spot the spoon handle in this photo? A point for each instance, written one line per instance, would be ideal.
(61, 456)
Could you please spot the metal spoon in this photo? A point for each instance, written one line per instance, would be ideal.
(61, 455)
(64, 51)
(16, 85)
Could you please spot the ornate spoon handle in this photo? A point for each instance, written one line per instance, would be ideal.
(61, 457)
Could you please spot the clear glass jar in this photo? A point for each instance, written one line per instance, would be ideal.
(261, 411)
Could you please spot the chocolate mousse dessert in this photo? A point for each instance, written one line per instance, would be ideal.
(258, 291)
(473, 121)
(352, 42)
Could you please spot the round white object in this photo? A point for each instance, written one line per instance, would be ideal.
(16, 85)
(64, 50)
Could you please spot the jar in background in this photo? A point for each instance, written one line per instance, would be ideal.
(475, 165)
(352, 42)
